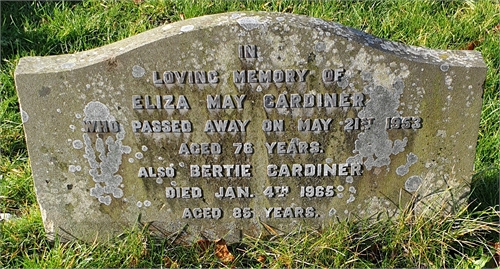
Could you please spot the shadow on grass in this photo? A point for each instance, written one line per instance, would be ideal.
(485, 190)
(485, 196)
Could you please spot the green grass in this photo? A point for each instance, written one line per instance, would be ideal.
(435, 239)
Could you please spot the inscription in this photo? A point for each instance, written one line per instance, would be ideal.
(291, 212)
(185, 77)
(183, 192)
(276, 191)
(242, 213)
(270, 76)
(247, 51)
(222, 126)
(317, 170)
(234, 192)
(358, 123)
(226, 102)
(159, 102)
(202, 213)
(99, 126)
(332, 75)
(293, 147)
(314, 125)
(273, 125)
(152, 172)
(164, 126)
(317, 191)
(202, 148)
(403, 123)
(236, 102)
(314, 100)
(246, 148)
(215, 102)
(218, 171)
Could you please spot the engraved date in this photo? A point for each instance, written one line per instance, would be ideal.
(317, 191)
(276, 191)
(403, 123)
(358, 123)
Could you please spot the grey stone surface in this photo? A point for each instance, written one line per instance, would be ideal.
(223, 124)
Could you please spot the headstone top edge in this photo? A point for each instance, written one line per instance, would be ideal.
(248, 20)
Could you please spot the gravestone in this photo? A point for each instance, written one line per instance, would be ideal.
(225, 125)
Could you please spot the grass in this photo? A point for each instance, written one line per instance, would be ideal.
(434, 239)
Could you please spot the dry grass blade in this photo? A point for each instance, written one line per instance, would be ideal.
(270, 229)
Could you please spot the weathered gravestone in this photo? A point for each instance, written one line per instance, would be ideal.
(222, 125)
